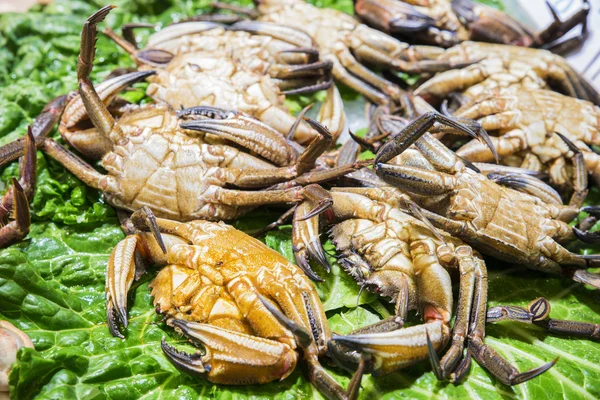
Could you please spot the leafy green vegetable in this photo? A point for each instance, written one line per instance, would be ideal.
(52, 284)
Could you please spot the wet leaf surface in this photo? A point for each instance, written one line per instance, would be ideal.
(52, 284)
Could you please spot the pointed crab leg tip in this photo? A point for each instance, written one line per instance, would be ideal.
(316, 125)
(586, 237)
(592, 210)
(319, 209)
(315, 250)
(526, 376)
(305, 267)
(433, 358)
(17, 185)
(99, 15)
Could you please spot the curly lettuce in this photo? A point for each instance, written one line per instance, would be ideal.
(52, 283)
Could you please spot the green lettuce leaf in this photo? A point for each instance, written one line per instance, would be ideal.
(52, 283)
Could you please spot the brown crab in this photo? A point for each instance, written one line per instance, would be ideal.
(406, 259)
(449, 22)
(347, 44)
(244, 303)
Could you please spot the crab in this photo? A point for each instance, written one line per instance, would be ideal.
(504, 66)
(182, 171)
(11, 340)
(17, 198)
(202, 63)
(526, 121)
(243, 302)
(405, 258)
(449, 22)
(346, 44)
(497, 220)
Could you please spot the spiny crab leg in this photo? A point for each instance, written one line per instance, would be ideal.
(537, 313)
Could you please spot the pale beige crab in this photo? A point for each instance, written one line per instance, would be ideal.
(196, 169)
(525, 123)
(504, 66)
(201, 63)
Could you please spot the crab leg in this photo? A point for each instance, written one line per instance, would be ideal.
(74, 164)
(473, 277)
(487, 356)
(342, 75)
(40, 128)
(380, 49)
(559, 28)
(97, 110)
(537, 313)
(417, 129)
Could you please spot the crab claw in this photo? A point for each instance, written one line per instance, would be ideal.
(306, 239)
(409, 134)
(263, 360)
(242, 130)
(585, 235)
(145, 218)
(399, 348)
(189, 363)
(120, 274)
